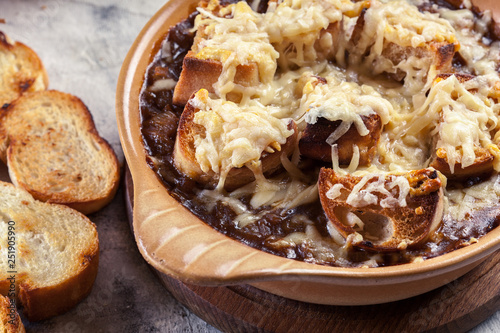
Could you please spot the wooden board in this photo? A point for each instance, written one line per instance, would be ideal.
(457, 307)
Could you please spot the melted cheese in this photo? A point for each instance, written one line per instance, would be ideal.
(401, 23)
(344, 101)
(417, 116)
(406, 34)
(234, 40)
(481, 55)
(461, 119)
(463, 202)
(235, 136)
(295, 26)
(386, 191)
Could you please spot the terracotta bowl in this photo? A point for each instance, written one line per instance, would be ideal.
(177, 243)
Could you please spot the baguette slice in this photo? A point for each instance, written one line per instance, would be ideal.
(20, 70)
(185, 151)
(484, 161)
(369, 213)
(53, 151)
(313, 142)
(203, 74)
(56, 253)
(9, 318)
(364, 45)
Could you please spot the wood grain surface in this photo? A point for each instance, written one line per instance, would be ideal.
(456, 307)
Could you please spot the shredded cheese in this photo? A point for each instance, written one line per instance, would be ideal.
(234, 136)
(235, 40)
(297, 41)
(387, 191)
(459, 118)
(398, 37)
(344, 101)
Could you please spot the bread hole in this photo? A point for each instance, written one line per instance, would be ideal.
(378, 228)
(22, 261)
(96, 145)
(46, 105)
(58, 188)
(374, 227)
(348, 218)
(4, 217)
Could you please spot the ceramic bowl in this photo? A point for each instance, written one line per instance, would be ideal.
(178, 244)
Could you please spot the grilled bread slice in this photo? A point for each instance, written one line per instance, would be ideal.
(386, 50)
(484, 161)
(441, 55)
(383, 212)
(203, 73)
(342, 119)
(480, 169)
(20, 70)
(78, 168)
(186, 162)
(56, 253)
(9, 318)
(313, 142)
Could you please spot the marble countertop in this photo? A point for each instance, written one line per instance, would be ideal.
(82, 44)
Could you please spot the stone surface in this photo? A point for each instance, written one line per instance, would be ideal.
(82, 44)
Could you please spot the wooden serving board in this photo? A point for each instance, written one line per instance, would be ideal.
(457, 307)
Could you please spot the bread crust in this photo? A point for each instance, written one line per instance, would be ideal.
(482, 167)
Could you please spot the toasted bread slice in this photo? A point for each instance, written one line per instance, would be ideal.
(441, 55)
(329, 39)
(21, 70)
(481, 168)
(484, 160)
(186, 162)
(56, 253)
(203, 73)
(352, 132)
(313, 142)
(78, 169)
(9, 318)
(383, 212)
(312, 46)
(385, 54)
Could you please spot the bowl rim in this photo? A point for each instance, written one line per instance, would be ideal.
(147, 184)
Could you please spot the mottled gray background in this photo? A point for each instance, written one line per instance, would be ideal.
(82, 44)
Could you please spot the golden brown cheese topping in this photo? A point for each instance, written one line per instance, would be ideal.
(234, 136)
